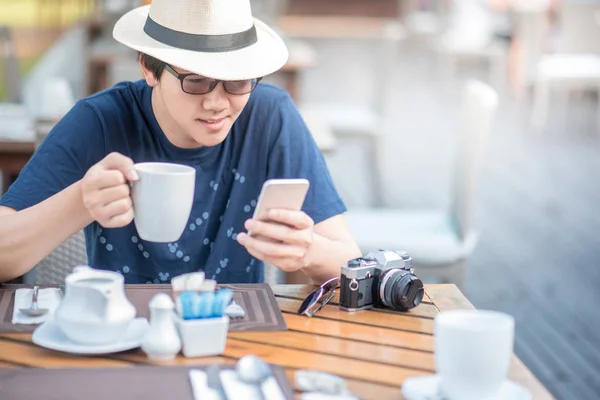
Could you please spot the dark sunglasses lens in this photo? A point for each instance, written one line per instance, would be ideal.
(310, 300)
(198, 85)
(330, 284)
(320, 303)
(240, 87)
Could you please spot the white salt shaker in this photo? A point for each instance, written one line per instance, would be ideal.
(162, 341)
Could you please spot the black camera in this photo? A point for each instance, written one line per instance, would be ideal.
(381, 279)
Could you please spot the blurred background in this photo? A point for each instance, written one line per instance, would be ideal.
(466, 132)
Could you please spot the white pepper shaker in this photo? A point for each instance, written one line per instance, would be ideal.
(161, 342)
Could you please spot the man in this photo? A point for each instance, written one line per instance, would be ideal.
(199, 104)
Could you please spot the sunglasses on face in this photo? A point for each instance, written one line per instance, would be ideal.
(196, 84)
(319, 297)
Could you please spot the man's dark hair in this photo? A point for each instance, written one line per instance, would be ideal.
(152, 64)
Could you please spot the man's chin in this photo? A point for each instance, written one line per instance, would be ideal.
(211, 138)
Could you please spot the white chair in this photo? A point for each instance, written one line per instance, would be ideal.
(343, 115)
(576, 66)
(422, 22)
(439, 241)
(469, 35)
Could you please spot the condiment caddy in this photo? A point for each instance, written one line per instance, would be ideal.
(197, 315)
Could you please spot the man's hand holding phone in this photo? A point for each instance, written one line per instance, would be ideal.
(282, 241)
(280, 233)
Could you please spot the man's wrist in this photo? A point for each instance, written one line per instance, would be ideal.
(311, 258)
(85, 213)
(322, 260)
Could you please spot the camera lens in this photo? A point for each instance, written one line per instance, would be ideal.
(402, 290)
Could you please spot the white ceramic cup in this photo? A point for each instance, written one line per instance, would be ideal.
(473, 349)
(162, 200)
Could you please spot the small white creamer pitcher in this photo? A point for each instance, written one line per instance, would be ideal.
(95, 309)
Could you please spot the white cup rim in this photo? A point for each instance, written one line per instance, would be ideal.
(163, 168)
(475, 320)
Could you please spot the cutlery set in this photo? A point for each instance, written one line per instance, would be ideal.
(251, 371)
(34, 310)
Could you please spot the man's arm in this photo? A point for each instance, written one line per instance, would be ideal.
(6, 210)
(291, 242)
(102, 195)
(332, 246)
(27, 236)
(317, 239)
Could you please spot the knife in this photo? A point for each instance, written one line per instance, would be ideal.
(213, 380)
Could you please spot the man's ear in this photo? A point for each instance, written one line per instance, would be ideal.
(148, 75)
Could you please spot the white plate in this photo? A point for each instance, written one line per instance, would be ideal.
(50, 336)
(426, 388)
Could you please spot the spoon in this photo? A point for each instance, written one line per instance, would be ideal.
(34, 310)
(253, 371)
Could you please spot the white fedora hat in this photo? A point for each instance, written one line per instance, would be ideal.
(214, 38)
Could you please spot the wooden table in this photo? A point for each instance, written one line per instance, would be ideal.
(13, 157)
(374, 350)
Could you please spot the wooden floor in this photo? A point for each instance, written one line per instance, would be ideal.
(539, 254)
(537, 208)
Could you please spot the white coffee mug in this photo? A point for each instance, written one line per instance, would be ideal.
(162, 200)
(473, 349)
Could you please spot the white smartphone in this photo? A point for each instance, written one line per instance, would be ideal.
(280, 193)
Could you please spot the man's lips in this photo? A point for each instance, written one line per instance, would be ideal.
(213, 124)
(211, 120)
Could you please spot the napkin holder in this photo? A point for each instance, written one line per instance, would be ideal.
(202, 337)
(193, 281)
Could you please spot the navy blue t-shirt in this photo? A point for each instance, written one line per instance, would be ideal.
(268, 140)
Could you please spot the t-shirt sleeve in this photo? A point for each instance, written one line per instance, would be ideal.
(74, 144)
(294, 154)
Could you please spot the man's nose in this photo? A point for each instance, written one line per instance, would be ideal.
(216, 100)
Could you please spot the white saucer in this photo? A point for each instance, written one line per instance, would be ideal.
(425, 388)
(50, 336)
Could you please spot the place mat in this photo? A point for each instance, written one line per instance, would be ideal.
(257, 300)
(138, 382)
